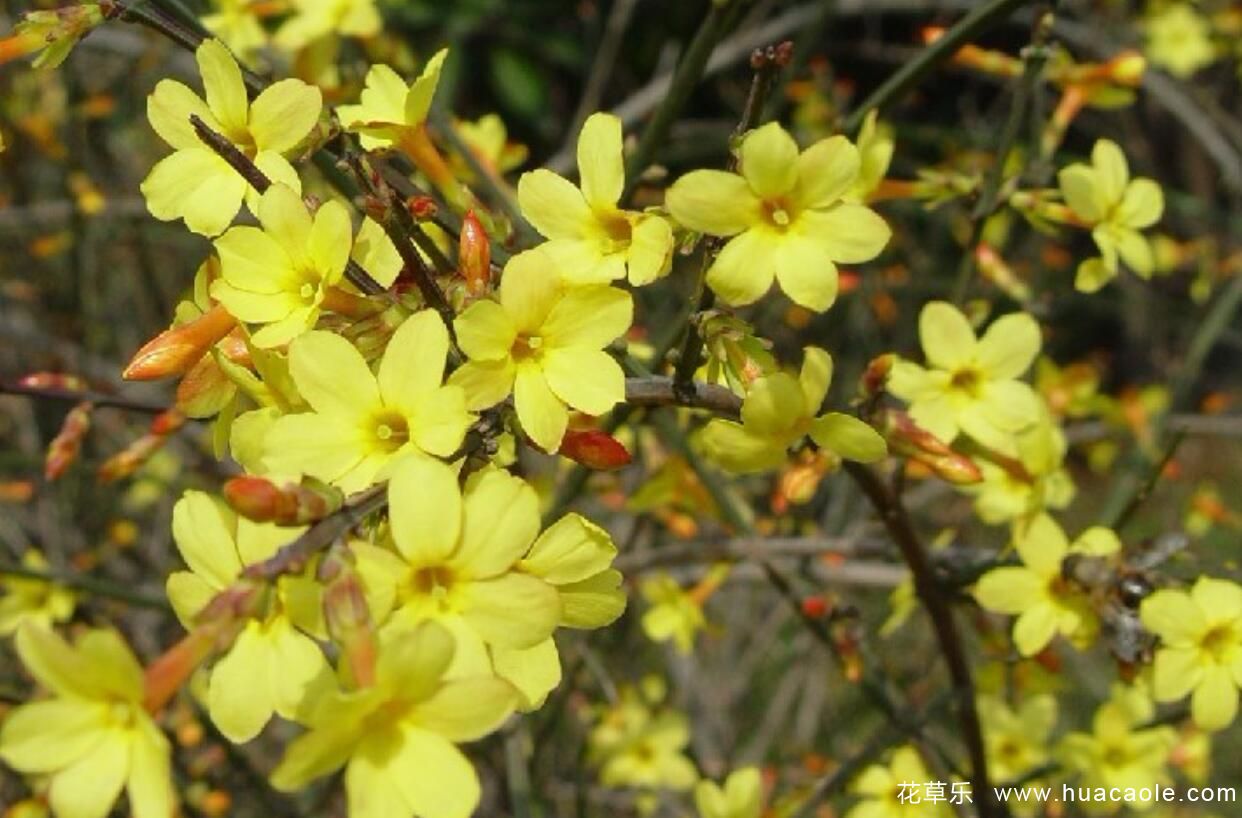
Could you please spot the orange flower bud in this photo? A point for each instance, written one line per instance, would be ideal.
(814, 607)
(64, 448)
(907, 438)
(876, 374)
(174, 351)
(594, 449)
(422, 208)
(263, 502)
(474, 255)
(349, 618)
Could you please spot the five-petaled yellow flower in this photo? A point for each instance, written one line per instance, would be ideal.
(1200, 649)
(280, 275)
(272, 664)
(1116, 208)
(896, 789)
(779, 411)
(195, 183)
(30, 599)
(785, 216)
(92, 739)
(315, 19)
(970, 384)
(361, 422)
(397, 739)
(543, 342)
(474, 561)
(389, 108)
(592, 239)
(1045, 603)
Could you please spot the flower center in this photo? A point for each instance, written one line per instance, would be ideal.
(968, 381)
(434, 582)
(779, 213)
(391, 431)
(1218, 642)
(526, 346)
(618, 230)
(307, 291)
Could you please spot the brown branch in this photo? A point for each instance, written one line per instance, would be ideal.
(75, 396)
(661, 391)
(891, 512)
(258, 180)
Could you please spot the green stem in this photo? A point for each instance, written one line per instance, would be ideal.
(905, 78)
(86, 584)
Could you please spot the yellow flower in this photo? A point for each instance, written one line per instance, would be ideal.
(635, 746)
(1045, 604)
(1006, 494)
(488, 138)
(237, 25)
(1119, 752)
(1179, 40)
(1016, 740)
(785, 217)
(362, 423)
(279, 275)
(592, 240)
(675, 613)
(28, 599)
(315, 19)
(93, 738)
(740, 797)
(397, 739)
(779, 411)
(388, 108)
(875, 150)
(896, 790)
(474, 562)
(1200, 649)
(1117, 208)
(272, 664)
(194, 183)
(544, 343)
(970, 384)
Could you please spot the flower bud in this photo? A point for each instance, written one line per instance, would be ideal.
(174, 351)
(1127, 68)
(54, 380)
(64, 448)
(594, 449)
(422, 208)
(875, 376)
(262, 501)
(474, 255)
(349, 618)
(55, 33)
(907, 438)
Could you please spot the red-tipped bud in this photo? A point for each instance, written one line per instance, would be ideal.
(54, 380)
(594, 449)
(264, 502)
(422, 208)
(474, 256)
(176, 350)
(875, 377)
(349, 618)
(64, 448)
(814, 607)
(905, 437)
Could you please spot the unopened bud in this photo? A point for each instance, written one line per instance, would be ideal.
(64, 448)
(262, 501)
(907, 438)
(54, 380)
(422, 208)
(1127, 68)
(55, 33)
(594, 449)
(474, 257)
(348, 617)
(176, 350)
(814, 607)
(875, 377)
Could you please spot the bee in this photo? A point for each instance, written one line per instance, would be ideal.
(1119, 588)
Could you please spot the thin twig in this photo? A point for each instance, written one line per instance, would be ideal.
(87, 584)
(661, 391)
(75, 396)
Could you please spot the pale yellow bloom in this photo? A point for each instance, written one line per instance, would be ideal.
(315, 19)
(1179, 39)
(27, 599)
(389, 108)
(740, 797)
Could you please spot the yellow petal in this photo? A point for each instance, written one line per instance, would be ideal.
(512, 610)
(593, 602)
(376, 253)
(373, 778)
(1034, 629)
(253, 261)
(413, 364)
(849, 438)
(169, 109)
(947, 338)
(240, 693)
(738, 449)
(423, 91)
(1176, 672)
(572, 549)
(439, 422)
(535, 672)
(383, 99)
(1112, 172)
(485, 383)
(553, 205)
(330, 241)
(600, 164)
(589, 380)
(1009, 590)
(434, 778)
(1135, 251)
(425, 510)
(466, 709)
(651, 250)
(332, 376)
(45, 736)
(195, 185)
(204, 529)
(485, 332)
(315, 754)
(542, 414)
(713, 202)
(745, 268)
(849, 233)
(90, 787)
(1081, 190)
(589, 317)
(1009, 346)
(284, 114)
(805, 272)
(54, 664)
(529, 287)
(500, 520)
(775, 405)
(1042, 545)
(826, 170)
(769, 161)
(188, 593)
(1142, 205)
(150, 776)
(321, 446)
(225, 90)
(1214, 704)
(815, 377)
(1219, 599)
